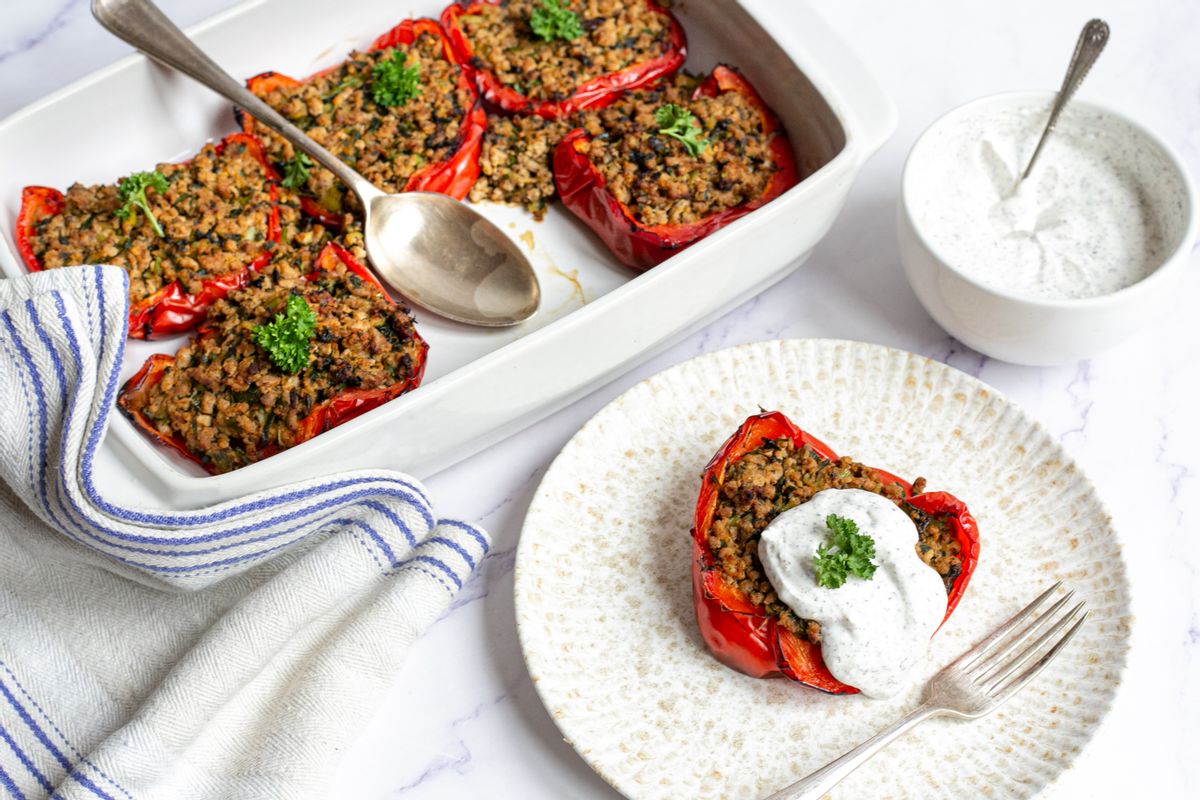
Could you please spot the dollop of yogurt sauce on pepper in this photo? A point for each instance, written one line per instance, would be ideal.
(873, 632)
(1088, 221)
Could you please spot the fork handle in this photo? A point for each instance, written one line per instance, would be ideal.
(833, 773)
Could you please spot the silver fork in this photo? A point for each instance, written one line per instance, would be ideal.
(977, 683)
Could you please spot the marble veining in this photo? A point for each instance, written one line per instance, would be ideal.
(463, 718)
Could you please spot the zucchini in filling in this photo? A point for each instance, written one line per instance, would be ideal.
(778, 476)
(612, 35)
(387, 113)
(664, 180)
(224, 401)
(214, 213)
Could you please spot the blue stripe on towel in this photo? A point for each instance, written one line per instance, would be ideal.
(41, 736)
(8, 783)
(81, 759)
(31, 723)
(26, 762)
(471, 529)
(456, 547)
(441, 565)
(394, 518)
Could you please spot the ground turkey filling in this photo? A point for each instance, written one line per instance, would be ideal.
(775, 477)
(653, 175)
(617, 34)
(214, 217)
(515, 166)
(231, 406)
(387, 145)
(302, 238)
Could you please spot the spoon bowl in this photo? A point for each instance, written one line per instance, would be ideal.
(438, 253)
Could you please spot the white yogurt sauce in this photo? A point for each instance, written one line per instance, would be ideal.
(873, 632)
(1088, 221)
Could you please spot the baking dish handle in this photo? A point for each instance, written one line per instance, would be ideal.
(839, 74)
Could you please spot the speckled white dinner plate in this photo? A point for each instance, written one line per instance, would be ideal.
(604, 601)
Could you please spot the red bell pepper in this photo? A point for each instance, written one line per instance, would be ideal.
(453, 176)
(329, 414)
(170, 310)
(584, 191)
(740, 633)
(595, 93)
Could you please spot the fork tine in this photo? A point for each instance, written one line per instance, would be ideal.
(997, 679)
(994, 659)
(971, 656)
(1018, 683)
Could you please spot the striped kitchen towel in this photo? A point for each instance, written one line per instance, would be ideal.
(298, 604)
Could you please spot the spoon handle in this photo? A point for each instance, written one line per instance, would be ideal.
(1091, 42)
(142, 24)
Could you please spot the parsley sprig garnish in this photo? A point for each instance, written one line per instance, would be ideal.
(681, 124)
(286, 339)
(131, 192)
(847, 553)
(551, 20)
(295, 172)
(393, 82)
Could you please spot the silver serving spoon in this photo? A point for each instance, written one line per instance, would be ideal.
(435, 251)
(1091, 42)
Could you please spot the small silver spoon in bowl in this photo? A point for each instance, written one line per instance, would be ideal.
(1088, 47)
(435, 251)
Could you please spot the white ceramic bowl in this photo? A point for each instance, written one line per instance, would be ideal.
(1034, 330)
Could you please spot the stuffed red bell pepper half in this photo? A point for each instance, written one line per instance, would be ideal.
(404, 113)
(820, 569)
(664, 167)
(186, 233)
(555, 58)
(278, 362)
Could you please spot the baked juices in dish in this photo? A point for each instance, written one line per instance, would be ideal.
(666, 166)
(296, 352)
(186, 233)
(817, 568)
(554, 58)
(404, 114)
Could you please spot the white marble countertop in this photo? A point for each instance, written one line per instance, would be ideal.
(463, 718)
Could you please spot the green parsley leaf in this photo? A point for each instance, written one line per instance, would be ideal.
(131, 192)
(847, 553)
(551, 20)
(286, 339)
(295, 172)
(681, 124)
(393, 82)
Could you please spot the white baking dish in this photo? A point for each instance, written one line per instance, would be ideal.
(597, 319)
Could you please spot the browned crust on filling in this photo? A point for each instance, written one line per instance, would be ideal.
(777, 476)
(515, 166)
(655, 177)
(232, 406)
(386, 145)
(214, 217)
(617, 34)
